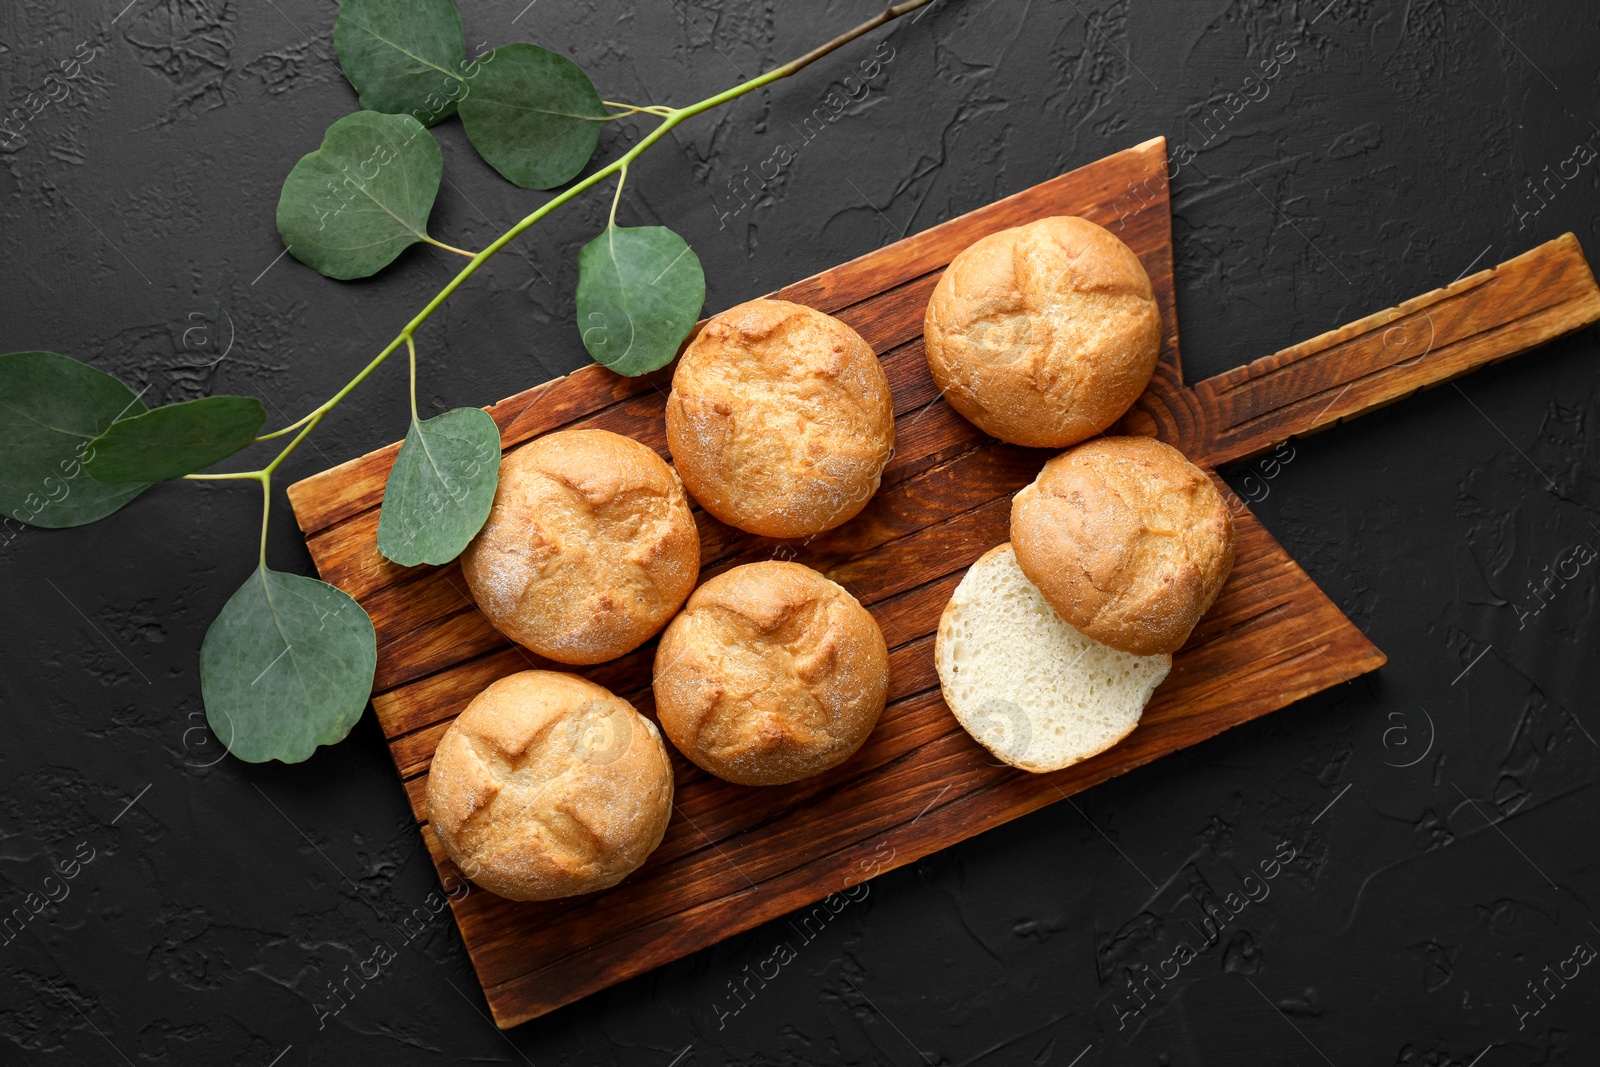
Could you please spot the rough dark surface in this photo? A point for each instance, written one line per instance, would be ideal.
(1391, 153)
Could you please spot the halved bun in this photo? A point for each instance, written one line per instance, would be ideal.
(1028, 687)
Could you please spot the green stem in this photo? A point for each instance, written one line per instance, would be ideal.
(291, 428)
(265, 478)
(411, 349)
(622, 179)
(448, 248)
(292, 445)
(627, 110)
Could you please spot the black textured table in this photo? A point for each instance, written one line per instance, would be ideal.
(1405, 862)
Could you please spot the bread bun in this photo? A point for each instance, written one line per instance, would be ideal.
(1127, 540)
(771, 674)
(548, 785)
(1028, 687)
(589, 549)
(780, 420)
(1044, 334)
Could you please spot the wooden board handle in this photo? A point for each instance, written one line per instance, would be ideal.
(1497, 313)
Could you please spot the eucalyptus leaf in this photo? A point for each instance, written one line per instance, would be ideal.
(532, 114)
(287, 666)
(405, 57)
(640, 290)
(349, 208)
(439, 492)
(51, 408)
(175, 440)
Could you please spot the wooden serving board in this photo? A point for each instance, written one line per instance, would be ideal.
(733, 856)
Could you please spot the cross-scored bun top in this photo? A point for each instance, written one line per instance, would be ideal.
(548, 785)
(1044, 334)
(589, 549)
(1127, 540)
(772, 673)
(780, 419)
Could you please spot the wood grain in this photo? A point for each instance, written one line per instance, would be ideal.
(1525, 302)
(735, 857)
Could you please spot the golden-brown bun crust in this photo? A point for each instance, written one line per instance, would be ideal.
(1127, 540)
(1044, 334)
(771, 674)
(589, 549)
(548, 785)
(780, 419)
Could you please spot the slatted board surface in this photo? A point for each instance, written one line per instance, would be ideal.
(733, 856)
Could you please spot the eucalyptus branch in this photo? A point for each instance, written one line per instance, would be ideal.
(671, 118)
(288, 663)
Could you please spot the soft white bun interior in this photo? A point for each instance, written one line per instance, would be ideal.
(1027, 686)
